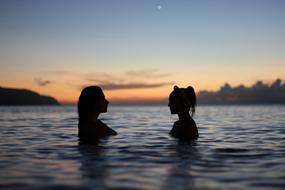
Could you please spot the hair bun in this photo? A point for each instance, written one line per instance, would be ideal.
(190, 88)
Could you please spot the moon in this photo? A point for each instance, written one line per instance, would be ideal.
(159, 7)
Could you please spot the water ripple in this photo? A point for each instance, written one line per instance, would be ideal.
(240, 147)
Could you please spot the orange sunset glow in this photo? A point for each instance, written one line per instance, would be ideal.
(141, 56)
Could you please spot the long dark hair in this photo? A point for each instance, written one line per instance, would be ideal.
(88, 99)
(191, 95)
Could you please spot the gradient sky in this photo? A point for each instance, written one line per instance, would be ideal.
(138, 49)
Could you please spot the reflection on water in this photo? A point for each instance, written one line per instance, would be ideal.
(240, 147)
(93, 166)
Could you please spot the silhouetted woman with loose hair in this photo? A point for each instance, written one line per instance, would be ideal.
(181, 101)
(91, 104)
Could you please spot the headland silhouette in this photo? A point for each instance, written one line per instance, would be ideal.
(13, 96)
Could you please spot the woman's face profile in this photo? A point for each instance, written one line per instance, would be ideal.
(103, 104)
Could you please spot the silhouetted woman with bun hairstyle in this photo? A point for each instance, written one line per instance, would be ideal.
(91, 103)
(181, 101)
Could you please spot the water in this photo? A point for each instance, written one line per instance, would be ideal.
(240, 147)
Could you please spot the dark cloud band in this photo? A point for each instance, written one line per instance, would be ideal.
(42, 82)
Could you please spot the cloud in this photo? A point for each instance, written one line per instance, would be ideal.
(124, 86)
(91, 76)
(62, 73)
(103, 78)
(42, 82)
(147, 73)
(144, 73)
(133, 79)
(259, 93)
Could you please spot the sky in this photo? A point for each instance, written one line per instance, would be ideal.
(136, 50)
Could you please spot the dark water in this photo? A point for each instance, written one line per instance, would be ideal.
(240, 147)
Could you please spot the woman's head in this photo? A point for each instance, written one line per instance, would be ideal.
(182, 100)
(91, 101)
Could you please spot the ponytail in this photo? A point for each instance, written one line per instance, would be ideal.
(191, 95)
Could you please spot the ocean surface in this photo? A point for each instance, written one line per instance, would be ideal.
(240, 147)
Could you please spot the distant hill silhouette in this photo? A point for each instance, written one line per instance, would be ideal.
(259, 93)
(10, 96)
